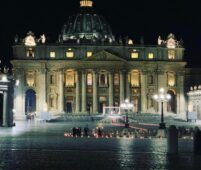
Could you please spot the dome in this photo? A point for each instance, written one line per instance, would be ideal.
(87, 25)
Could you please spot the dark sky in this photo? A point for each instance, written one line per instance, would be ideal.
(147, 18)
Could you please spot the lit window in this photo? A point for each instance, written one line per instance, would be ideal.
(69, 53)
(52, 54)
(171, 79)
(30, 52)
(70, 78)
(130, 42)
(135, 78)
(134, 55)
(89, 79)
(171, 54)
(89, 54)
(30, 78)
(150, 55)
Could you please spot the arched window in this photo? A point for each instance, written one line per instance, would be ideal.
(89, 79)
(135, 78)
(171, 79)
(70, 78)
(102, 79)
(30, 52)
(30, 78)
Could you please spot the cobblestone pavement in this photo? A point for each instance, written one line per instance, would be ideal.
(43, 146)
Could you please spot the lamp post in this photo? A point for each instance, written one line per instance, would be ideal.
(162, 97)
(126, 106)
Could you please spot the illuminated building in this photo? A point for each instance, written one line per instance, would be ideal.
(88, 68)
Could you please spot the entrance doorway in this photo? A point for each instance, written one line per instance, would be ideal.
(69, 104)
(102, 104)
(1, 108)
(69, 107)
(171, 105)
(30, 101)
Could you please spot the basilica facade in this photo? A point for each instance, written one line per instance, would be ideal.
(88, 69)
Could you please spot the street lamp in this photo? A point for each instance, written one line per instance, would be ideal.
(162, 97)
(126, 106)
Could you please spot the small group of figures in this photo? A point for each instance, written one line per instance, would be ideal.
(77, 131)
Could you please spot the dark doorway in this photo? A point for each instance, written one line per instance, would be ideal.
(172, 104)
(102, 104)
(69, 107)
(30, 101)
(1, 108)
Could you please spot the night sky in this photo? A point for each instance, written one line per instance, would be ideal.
(132, 18)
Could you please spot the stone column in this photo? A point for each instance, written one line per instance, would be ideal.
(19, 104)
(181, 103)
(111, 88)
(5, 108)
(41, 96)
(77, 108)
(143, 91)
(122, 87)
(128, 87)
(84, 92)
(61, 91)
(95, 91)
(161, 83)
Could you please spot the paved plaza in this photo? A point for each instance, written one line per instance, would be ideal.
(40, 145)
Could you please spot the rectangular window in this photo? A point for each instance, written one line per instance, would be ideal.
(135, 79)
(30, 52)
(150, 55)
(69, 54)
(134, 55)
(52, 54)
(171, 54)
(89, 54)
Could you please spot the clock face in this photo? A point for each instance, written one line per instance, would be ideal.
(171, 43)
(30, 41)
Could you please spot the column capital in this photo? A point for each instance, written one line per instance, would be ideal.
(60, 70)
(180, 73)
(160, 72)
(143, 72)
(123, 71)
(111, 71)
(95, 71)
(43, 70)
(83, 71)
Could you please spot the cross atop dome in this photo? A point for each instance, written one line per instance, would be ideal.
(86, 3)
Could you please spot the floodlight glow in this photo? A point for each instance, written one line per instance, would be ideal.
(4, 78)
(161, 90)
(17, 83)
(168, 96)
(155, 97)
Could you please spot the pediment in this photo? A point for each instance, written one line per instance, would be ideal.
(105, 56)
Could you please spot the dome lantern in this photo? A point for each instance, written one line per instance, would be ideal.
(86, 3)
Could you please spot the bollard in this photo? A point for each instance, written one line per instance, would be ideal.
(172, 140)
(197, 142)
